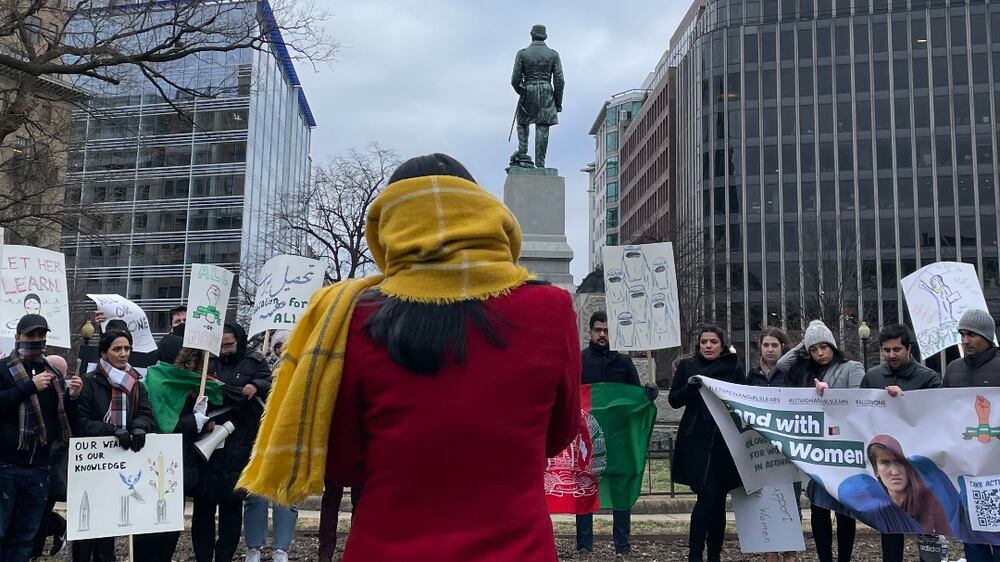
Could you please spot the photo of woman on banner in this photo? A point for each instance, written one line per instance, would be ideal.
(905, 496)
(905, 486)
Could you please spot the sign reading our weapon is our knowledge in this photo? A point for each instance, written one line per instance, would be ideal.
(112, 491)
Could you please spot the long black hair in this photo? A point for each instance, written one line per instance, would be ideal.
(420, 336)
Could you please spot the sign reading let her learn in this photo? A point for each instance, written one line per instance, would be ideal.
(286, 283)
(33, 281)
(208, 299)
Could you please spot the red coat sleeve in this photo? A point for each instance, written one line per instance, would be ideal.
(564, 423)
(345, 460)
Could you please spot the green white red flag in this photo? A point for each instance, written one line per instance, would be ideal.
(603, 466)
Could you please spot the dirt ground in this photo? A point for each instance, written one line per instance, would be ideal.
(668, 549)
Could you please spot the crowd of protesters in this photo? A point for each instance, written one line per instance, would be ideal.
(454, 347)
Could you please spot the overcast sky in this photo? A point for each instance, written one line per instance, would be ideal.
(434, 76)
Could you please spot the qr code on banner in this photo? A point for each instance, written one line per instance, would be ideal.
(984, 502)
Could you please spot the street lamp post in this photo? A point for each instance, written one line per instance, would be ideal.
(864, 332)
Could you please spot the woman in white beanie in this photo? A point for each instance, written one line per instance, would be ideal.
(817, 362)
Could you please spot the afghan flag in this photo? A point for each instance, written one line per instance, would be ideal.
(169, 388)
(602, 467)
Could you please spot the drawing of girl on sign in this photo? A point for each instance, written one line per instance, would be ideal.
(945, 296)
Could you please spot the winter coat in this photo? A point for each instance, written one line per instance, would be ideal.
(603, 365)
(981, 369)
(12, 394)
(95, 399)
(701, 458)
(801, 371)
(913, 376)
(217, 477)
(776, 378)
(453, 463)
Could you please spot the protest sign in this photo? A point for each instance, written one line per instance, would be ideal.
(147, 487)
(117, 307)
(286, 284)
(923, 462)
(768, 520)
(937, 295)
(641, 291)
(208, 300)
(33, 281)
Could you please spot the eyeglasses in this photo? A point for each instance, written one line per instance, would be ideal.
(599, 330)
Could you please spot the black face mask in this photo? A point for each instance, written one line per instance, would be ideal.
(31, 351)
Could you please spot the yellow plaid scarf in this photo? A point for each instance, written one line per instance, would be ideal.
(436, 239)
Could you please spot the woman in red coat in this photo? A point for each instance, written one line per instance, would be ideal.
(447, 410)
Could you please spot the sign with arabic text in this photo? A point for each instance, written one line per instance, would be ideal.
(286, 284)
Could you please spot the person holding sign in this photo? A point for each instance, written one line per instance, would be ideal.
(979, 367)
(898, 372)
(818, 363)
(34, 413)
(246, 381)
(113, 404)
(442, 384)
(701, 458)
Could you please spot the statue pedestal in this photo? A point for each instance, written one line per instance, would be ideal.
(537, 197)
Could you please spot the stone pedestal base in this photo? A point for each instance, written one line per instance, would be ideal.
(537, 197)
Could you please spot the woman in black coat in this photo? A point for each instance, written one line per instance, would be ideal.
(701, 459)
(113, 402)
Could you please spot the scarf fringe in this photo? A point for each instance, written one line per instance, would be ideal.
(492, 294)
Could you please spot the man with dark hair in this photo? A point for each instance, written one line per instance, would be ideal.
(178, 315)
(600, 364)
(34, 413)
(897, 373)
(170, 345)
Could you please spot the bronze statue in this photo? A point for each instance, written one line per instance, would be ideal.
(538, 80)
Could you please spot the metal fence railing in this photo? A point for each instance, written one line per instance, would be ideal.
(659, 455)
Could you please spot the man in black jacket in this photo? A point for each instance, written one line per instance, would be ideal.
(33, 415)
(170, 345)
(898, 372)
(246, 381)
(600, 364)
(979, 367)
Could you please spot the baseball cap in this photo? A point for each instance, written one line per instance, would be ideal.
(30, 322)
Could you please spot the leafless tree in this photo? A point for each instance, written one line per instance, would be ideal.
(60, 56)
(95, 42)
(334, 207)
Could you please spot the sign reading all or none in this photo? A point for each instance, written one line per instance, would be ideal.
(117, 307)
(33, 281)
(286, 284)
(640, 287)
(937, 295)
(208, 300)
(112, 492)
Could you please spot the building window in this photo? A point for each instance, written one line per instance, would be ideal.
(612, 141)
(612, 219)
(33, 27)
(612, 192)
(612, 167)
(612, 239)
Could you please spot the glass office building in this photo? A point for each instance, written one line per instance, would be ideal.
(164, 190)
(827, 148)
(608, 130)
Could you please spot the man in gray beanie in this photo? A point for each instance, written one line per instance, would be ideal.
(979, 367)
